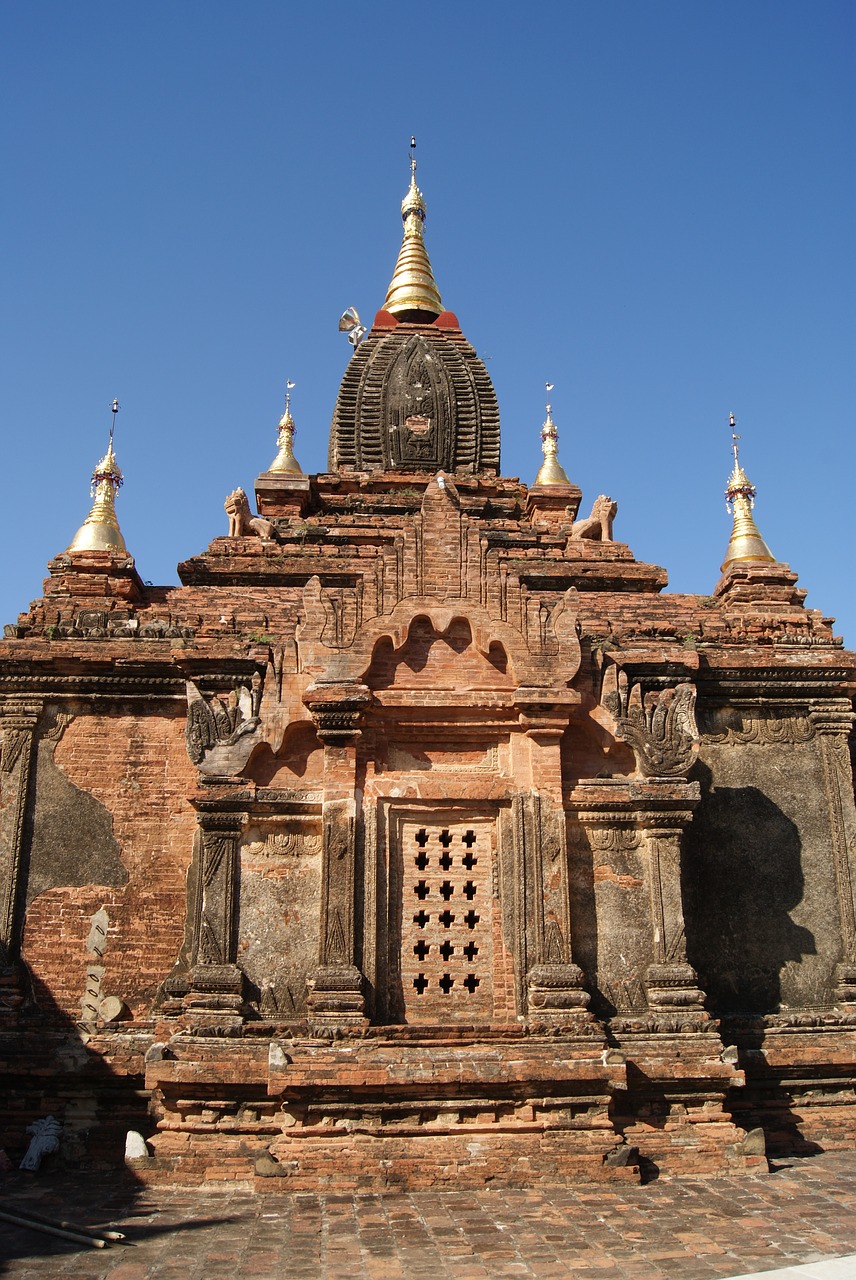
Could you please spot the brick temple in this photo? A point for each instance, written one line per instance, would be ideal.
(419, 837)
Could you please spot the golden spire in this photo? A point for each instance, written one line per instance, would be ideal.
(746, 542)
(551, 470)
(413, 293)
(100, 530)
(285, 459)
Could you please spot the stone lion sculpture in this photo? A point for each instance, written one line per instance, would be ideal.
(598, 526)
(242, 523)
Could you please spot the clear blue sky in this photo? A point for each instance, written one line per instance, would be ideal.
(651, 205)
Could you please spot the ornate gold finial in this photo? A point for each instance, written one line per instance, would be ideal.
(551, 470)
(413, 292)
(100, 530)
(285, 459)
(746, 542)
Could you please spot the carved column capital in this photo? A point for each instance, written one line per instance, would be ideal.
(337, 710)
(24, 708)
(18, 720)
(664, 803)
(833, 718)
(229, 822)
(545, 713)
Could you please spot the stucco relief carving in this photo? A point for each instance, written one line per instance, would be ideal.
(612, 838)
(736, 727)
(14, 741)
(214, 927)
(332, 615)
(551, 630)
(284, 843)
(220, 734)
(659, 726)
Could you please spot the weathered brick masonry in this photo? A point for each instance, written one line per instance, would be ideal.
(418, 837)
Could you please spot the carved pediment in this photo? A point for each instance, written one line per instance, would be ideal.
(550, 659)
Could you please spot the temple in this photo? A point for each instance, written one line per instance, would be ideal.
(419, 837)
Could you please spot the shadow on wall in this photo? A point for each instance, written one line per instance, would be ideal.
(743, 876)
(51, 1065)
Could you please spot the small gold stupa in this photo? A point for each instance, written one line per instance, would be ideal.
(100, 530)
(746, 542)
(413, 293)
(551, 470)
(285, 460)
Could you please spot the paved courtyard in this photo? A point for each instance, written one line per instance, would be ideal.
(804, 1211)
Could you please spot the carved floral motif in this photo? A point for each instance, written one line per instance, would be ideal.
(728, 725)
(285, 844)
(218, 723)
(659, 726)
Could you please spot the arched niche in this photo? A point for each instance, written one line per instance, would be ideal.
(300, 759)
(429, 656)
(590, 751)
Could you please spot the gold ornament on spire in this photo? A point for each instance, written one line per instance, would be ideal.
(746, 542)
(551, 470)
(285, 459)
(413, 293)
(100, 530)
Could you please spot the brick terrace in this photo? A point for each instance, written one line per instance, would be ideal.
(692, 1228)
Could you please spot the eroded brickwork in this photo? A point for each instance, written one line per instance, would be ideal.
(137, 769)
(420, 838)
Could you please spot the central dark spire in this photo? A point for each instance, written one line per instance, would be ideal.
(415, 396)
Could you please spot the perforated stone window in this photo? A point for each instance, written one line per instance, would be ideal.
(447, 922)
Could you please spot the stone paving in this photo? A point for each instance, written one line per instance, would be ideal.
(803, 1211)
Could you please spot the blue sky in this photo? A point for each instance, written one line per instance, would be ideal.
(650, 205)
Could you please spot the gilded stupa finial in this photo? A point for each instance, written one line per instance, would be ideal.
(285, 459)
(551, 470)
(100, 530)
(413, 292)
(746, 542)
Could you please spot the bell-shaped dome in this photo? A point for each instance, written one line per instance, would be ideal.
(415, 396)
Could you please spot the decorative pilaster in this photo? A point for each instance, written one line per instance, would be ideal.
(555, 991)
(555, 984)
(336, 993)
(216, 996)
(18, 724)
(832, 724)
(670, 982)
(633, 831)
